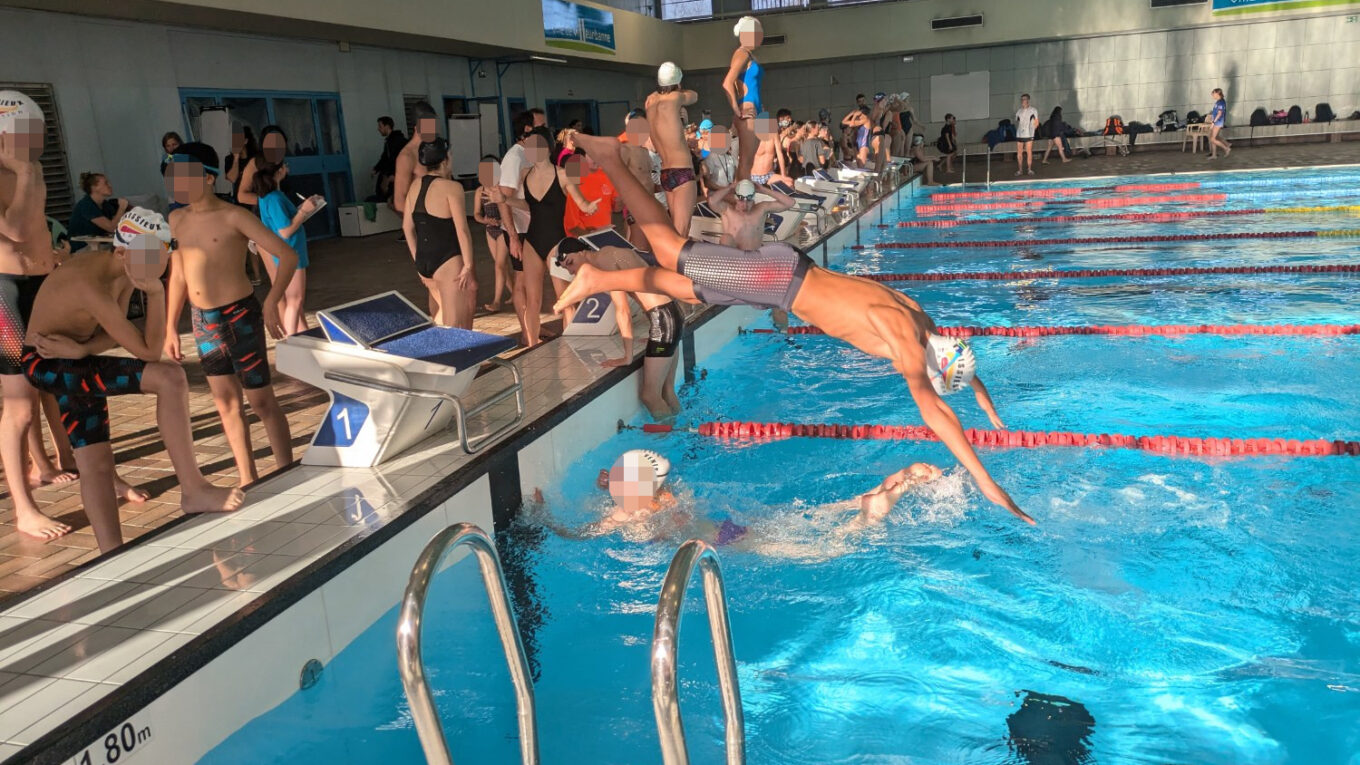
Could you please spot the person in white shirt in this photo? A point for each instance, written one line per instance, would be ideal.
(1026, 121)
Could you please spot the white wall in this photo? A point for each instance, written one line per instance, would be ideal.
(1271, 63)
(117, 84)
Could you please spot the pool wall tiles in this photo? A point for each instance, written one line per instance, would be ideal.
(264, 669)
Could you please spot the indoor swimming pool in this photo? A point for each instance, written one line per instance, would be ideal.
(1164, 609)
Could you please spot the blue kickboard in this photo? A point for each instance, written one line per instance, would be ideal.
(457, 348)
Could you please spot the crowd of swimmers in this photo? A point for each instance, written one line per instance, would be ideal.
(57, 324)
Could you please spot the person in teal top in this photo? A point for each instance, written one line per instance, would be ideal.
(742, 85)
(284, 218)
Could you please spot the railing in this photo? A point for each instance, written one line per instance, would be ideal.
(665, 641)
(470, 446)
(412, 665)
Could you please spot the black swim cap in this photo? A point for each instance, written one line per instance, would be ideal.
(201, 153)
(433, 153)
(569, 246)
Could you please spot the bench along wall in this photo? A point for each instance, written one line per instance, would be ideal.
(1271, 62)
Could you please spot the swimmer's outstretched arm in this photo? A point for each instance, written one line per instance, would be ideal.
(879, 502)
(909, 361)
(984, 400)
(537, 509)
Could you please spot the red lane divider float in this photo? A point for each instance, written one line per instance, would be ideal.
(1146, 187)
(1103, 240)
(1151, 217)
(962, 196)
(1097, 273)
(1131, 330)
(975, 207)
(1172, 445)
(1189, 199)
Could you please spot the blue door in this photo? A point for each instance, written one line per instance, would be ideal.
(318, 155)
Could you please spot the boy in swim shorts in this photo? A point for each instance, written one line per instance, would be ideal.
(229, 322)
(659, 360)
(668, 136)
(875, 319)
(80, 312)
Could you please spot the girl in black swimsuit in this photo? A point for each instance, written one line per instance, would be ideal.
(545, 196)
(490, 211)
(436, 229)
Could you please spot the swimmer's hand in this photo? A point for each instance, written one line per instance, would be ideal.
(59, 347)
(612, 363)
(996, 422)
(998, 495)
(591, 206)
(151, 285)
(271, 317)
(172, 349)
(11, 157)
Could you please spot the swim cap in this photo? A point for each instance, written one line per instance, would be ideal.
(15, 106)
(139, 227)
(745, 24)
(950, 364)
(569, 246)
(705, 126)
(433, 153)
(194, 151)
(669, 74)
(633, 462)
(745, 189)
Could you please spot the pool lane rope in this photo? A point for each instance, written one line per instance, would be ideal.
(1066, 191)
(1128, 330)
(1189, 446)
(1155, 199)
(1099, 273)
(1341, 233)
(1150, 217)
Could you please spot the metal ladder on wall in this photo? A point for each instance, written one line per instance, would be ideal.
(665, 643)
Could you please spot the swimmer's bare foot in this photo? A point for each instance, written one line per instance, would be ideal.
(34, 524)
(50, 475)
(582, 287)
(211, 499)
(129, 492)
(600, 148)
(491, 307)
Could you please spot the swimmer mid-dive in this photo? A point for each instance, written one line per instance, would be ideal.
(870, 316)
(646, 508)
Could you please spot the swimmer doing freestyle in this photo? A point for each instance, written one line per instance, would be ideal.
(875, 319)
(638, 485)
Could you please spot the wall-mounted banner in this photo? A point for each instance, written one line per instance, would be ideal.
(578, 27)
(1253, 6)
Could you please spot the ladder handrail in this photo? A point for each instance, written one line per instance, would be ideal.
(412, 666)
(665, 641)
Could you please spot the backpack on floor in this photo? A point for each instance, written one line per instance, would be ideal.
(1169, 120)
(1323, 113)
(1193, 117)
(1278, 117)
(1294, 116)
(1260, 117)
(1114, 126)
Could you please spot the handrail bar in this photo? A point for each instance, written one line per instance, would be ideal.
(411, 663)
(665, 640)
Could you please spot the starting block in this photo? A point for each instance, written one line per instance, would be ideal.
(394, 379)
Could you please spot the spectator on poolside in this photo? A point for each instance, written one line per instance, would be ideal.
(385, 169)
(1056, 130)
(922, 164)
(1217, 117)
(95, 214)
(1026, 122)
(408, 160)
(948, 142)
(719, 167)
(171, 141)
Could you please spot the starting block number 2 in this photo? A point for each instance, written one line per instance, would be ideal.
(343, 422)
(593, 308)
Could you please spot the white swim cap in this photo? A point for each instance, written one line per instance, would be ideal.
(745, 189)
(15, 106)
(633, 462)
(950, 364)
(138, 226)
(669, 74)
(745, 24)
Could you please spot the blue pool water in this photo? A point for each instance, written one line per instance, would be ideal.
(1163, 610)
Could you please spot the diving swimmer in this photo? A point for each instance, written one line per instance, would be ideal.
(875, 319)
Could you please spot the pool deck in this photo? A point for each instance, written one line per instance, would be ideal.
(347, 269)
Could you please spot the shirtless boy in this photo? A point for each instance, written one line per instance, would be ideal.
(639, 162)
(875, 319)
(743, 218)
(80, 312)
(769, 161)
(659, 360)
(668, 135)
(229, 323)
(26, 257)
(408, 161)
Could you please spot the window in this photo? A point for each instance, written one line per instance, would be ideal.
(686, 9)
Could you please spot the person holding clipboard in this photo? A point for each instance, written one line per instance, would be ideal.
(286, 219)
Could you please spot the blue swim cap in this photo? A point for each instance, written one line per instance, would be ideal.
(705, 125)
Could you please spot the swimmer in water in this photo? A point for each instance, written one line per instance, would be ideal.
(638, 485)
(876, 319)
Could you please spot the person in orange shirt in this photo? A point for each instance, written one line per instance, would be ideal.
(595, 186)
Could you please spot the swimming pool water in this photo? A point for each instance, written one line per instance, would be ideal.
(1163, 610)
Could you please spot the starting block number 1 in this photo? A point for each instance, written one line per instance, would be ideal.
(343, 422)
(118, 746)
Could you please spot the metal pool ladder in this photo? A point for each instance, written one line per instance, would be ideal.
(423, 711)
(665, 640)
